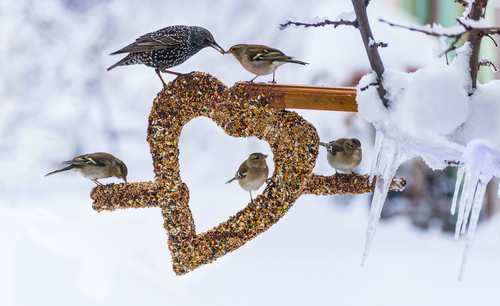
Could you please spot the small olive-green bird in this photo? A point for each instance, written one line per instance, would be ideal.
(343, 154)
(96, 166)
(252, 173)
(261, 60)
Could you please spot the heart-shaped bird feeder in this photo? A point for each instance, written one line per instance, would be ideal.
(240, 113)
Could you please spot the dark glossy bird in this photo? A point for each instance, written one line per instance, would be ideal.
(166, 48)
(343, 154)
(96, 166)
(252, 173)
(261, 60)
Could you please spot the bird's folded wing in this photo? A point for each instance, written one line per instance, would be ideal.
(334, 148)
(242, 171)
(156, 41)
(88, 160)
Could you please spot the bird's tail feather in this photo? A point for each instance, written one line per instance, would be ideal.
(230, 180)
(124, 61)
(61, 170)
(290, 60)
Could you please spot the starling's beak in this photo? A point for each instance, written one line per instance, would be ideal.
(358, 150)
(217, 47)
(125, 179)
(264, 157)
(322, 144)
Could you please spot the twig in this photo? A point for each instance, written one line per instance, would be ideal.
(488, 63)
(423, 31)
(319, 24)
(379, 45)
(464, 3)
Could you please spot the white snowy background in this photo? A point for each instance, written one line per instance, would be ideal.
(57, 101)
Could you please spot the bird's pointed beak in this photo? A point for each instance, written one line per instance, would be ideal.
(358, 150)
(264, 156)
(218, 48)
(322, 144)
(124, 179)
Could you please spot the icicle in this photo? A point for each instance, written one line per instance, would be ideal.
(379, 140)
(476, 210)
(469, 201)
(460, 175)
(464, 196)
(391, 156)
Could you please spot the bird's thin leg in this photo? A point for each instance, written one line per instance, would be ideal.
(97, 182)
(158, 73)
(251, 200)
(274, 82)
(171, 72)
(251, 81)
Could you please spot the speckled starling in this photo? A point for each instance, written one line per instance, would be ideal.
(261, 60)
(343, 154)
(166, 48)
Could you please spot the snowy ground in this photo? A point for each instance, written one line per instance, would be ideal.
(58, 101)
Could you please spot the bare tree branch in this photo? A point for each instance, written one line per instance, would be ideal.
(423, 31)
(471, 31)
(474, 38)
(373, 55)
(464, 3)
(319, 24)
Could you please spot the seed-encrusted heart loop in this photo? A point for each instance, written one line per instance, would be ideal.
(293, 141)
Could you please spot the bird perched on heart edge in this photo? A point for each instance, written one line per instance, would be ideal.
(96, 166)
(167, 48)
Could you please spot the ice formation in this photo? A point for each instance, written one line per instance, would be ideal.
(432, 116)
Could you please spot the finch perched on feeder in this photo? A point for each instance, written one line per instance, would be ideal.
(96, 166)
(261, 60)
(343, 154)
(252, 173)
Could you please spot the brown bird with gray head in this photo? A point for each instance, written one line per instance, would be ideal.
(343, 154)
(260, 59)
(252, 173)
(96, 166)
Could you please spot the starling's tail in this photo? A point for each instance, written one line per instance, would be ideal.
(61, 170)
(230, 180)
(127, 60)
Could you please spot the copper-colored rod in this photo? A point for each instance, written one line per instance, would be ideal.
(309, 97)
